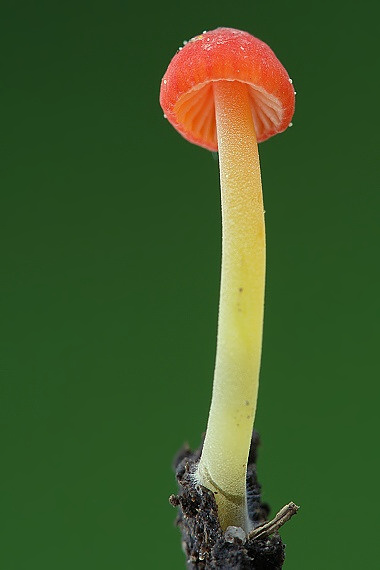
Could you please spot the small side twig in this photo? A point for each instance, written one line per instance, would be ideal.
(272, 526)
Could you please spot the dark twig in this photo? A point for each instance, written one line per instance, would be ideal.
(272, 526)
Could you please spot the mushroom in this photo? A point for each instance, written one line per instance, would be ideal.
(225, 90)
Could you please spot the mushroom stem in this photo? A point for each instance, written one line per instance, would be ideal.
(223, 464)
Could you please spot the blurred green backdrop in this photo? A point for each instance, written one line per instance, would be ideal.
(110, 254)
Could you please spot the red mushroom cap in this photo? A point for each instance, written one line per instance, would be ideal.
(225, 54)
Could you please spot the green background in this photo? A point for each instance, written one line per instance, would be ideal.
(110, 255)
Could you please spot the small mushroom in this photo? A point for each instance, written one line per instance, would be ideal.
(225, 90)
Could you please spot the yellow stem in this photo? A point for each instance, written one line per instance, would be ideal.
(223, 464)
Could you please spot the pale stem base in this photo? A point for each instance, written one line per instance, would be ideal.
(223, 464)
